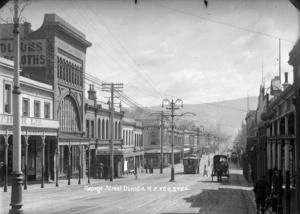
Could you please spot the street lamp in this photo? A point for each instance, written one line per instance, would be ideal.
(172, 107)
(16, 191)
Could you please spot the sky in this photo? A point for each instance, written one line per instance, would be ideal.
(163, 49)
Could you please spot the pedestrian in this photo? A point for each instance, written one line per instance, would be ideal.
(219, 172)
(135, 173)
(261, 189)
(277, 189)
(100, 170)
(205, 171)
(105, 171)
(146, 167)
(2, 173)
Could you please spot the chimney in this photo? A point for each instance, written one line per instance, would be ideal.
(27, 28)
(286, 84)
(92, 94)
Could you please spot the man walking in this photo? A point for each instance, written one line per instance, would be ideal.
(205, 171)
(105, 171)
(261, 188)
(2, 174)
(100, 170)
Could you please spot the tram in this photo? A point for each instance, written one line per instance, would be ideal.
(191, 164)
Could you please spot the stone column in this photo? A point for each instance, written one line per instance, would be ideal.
(6, 163)
(57, 162)
(69, 164)
(26, 162)
(134, 162)
(287, 166)
(279, 162)
(89, 164)
(43, 161)
(287, 175)
(269, 161)
(79, 175)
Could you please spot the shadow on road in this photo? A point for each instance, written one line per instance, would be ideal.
(223, 200)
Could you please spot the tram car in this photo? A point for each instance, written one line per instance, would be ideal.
(191, 164)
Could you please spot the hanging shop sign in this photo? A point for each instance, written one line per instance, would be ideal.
(32, 52)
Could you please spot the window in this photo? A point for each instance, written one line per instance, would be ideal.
(87, 128)
(36, 108)
(25, 107)
(47, 110)
(92, 129)
(7, 99)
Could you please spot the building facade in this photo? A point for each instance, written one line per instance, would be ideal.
(55, 54)
(39, 130)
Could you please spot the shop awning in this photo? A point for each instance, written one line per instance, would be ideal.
(105, 150)
(72, 139)
(186, 150)
(158, 151)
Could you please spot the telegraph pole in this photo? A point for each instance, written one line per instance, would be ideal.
(112, 88)
(161, 138)
(173, 106)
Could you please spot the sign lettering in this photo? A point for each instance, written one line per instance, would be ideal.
(32, 53)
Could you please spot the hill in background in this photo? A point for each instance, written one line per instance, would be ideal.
(224, 116)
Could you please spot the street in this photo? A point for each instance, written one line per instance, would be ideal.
(149, 193)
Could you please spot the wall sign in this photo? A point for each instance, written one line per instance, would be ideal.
(32, 53)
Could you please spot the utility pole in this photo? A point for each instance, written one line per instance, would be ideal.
(112, 88)
(161, 138)
(172, 107)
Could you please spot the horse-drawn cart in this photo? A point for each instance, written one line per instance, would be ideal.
(220, 168)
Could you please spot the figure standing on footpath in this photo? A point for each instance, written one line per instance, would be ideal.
(261, 189)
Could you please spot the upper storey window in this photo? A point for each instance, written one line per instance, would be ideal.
(7, 98)
(69, 71)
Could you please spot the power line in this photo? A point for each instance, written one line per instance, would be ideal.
(126, 51)
(223, 23)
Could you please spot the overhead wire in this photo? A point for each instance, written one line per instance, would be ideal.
(219, 22)
(112, 45)
(133, 86)
(122, 46)
(90, 77)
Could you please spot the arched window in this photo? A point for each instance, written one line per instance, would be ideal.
(72, 74)
(81, 76)
(103, 129)
(69, 118)
(123, 137)
(76, 75)
(67, 71)
(64, 70)
(99, 128)
(57, 66)
(106, 129)
(116, 130)
(120, 131)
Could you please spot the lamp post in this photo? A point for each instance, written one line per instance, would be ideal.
(16, 191)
